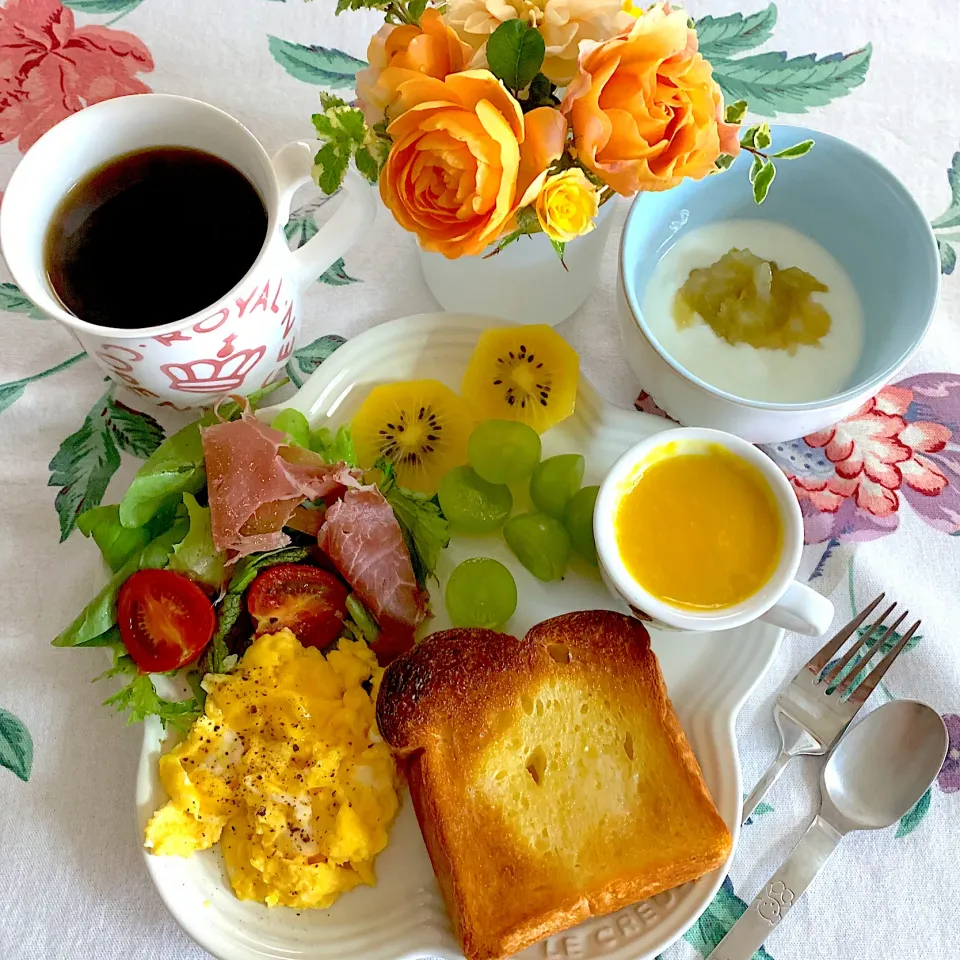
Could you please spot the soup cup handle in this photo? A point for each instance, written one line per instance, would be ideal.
(802, 610)
(351, 221)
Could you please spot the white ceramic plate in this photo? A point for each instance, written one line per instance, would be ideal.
(403, 917)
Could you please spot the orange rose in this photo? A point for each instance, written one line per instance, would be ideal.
(399, 53)
(645, 109)
(464, 159)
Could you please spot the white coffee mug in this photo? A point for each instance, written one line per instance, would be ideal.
(240, 342)
(782, 600)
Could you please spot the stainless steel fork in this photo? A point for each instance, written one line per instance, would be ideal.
(810, 714)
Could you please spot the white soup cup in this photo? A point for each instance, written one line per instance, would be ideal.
(782, 600)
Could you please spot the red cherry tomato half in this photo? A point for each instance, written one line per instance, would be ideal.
(308, 600)
(165, 620)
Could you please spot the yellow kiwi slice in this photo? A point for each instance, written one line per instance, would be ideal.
(420, 426)
(525, 373)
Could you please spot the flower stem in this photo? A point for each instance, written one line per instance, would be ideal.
(52, 370)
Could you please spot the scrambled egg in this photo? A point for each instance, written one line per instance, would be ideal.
(287, 770)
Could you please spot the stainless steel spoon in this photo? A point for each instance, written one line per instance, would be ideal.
(874, 776)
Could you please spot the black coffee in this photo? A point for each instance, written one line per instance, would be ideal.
(153, 236)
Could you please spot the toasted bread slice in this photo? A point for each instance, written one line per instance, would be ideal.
(550, 776)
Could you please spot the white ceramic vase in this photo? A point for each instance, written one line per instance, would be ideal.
(525, 282)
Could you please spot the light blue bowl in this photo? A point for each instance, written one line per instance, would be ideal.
(844, 200)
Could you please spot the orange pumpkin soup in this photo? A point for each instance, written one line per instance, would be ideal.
(699, 530)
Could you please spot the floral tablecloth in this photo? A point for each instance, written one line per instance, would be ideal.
(880, 492)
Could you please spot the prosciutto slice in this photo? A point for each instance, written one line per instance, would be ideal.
(362, 536)
(255, 481)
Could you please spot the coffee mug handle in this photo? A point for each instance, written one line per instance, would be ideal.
(293, 164)
(802, 610)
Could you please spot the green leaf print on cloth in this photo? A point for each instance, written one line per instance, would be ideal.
(322, 66)
(13, 301)
(16, 745)
(88, 459)
(102, 6)
(946, 227)
(305, 360)
(772, 82)
(714, 923)
(301, 227)
(911, 820)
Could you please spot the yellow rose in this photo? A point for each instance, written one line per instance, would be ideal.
(464, 158)
(567, 205)
(645, 109)
(562, 24)
(399, 53)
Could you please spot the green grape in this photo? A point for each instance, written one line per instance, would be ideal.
(471, 504)
(555, 481)
(294, 424)
(540, 542)
(481, 593)
(578, 519)
(503, 451)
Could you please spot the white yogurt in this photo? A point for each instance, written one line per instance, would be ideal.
(812, 372)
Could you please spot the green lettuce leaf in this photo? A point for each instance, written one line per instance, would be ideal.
(100, 615)
(117, 543)
(196, 555)
(334, 447)
(173, 469)
(425, 528)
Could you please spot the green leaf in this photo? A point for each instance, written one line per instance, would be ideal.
(558, 248)
(724, 161)
(301, 227)
(334, 447)
(13, 301)
(340, 122)
(763, 137)
(720, 37)
(83, 466)
(305, 360)
(914, 817)
(102, 6)
(336, 275)
(361, 617)
(367, 164)
(100, 615)
(139, 700)
(748, 138)
(117, 543)
(797, 150)
(540, 93)
(756, 167)
(951, 216)
(10, 393)
(173, 469)
(330, 167)
(415, 8)
(228, 612)
(948, 257)
(771, 83)
(762, 181)
(735, 112)
(135, 432)
(315, 64)
(16, 745)
(425, 529)
(515, 53)
(196, 555)
(247, 568)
